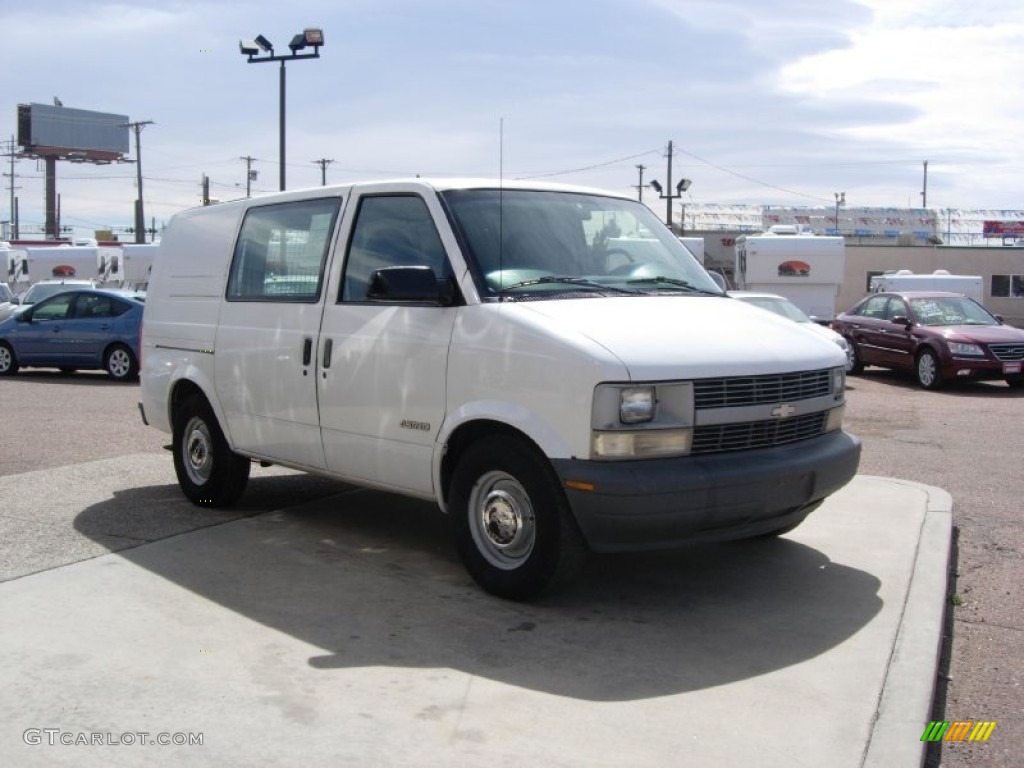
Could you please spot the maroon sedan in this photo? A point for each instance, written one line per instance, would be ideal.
(938, 336)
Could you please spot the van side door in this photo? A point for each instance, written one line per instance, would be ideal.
(265, 366)
(384, 356)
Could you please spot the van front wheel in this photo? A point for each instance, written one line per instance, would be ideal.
(513, 527)
(209, 473)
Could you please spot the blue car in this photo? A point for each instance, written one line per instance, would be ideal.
(75, 329)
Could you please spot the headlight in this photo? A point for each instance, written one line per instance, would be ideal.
(835, 419)
(636, 405)
(641, 444)
(838, 382)
(641, 421)
(965, 349)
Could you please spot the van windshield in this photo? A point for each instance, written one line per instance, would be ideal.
(531, 244)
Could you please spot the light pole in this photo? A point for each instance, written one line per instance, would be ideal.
(310, 37)
(682, 186)
(840, 200)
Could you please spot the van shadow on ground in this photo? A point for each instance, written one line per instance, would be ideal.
(373, 579)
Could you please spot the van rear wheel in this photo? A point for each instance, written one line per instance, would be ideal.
(209, 472)
(513, 527)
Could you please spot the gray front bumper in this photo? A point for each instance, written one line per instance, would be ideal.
(638, 505)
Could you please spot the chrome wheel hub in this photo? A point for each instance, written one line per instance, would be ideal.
(197, 449)
(502, 520)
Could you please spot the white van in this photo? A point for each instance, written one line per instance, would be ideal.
(481, 344)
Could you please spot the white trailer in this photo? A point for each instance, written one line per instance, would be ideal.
(137, 264)
(16, 262)
(109, 265)
(47, 262)
(694, 245)
(805, 268)
(939, 280)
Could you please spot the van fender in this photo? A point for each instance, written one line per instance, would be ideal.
(514, 416)
(197, 377)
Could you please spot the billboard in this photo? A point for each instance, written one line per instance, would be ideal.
(72, 134)
(1003, 228)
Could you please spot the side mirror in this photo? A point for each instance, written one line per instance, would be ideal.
(23, 317)
(901, 320)
(413, 284)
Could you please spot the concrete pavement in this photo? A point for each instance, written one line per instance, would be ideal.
(326, 625)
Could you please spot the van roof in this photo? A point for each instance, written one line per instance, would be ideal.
(437, 184)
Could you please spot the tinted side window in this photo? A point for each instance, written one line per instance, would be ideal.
(56, 308)
(281, 251)
(391, 231)
(874, 307)
(92, 305)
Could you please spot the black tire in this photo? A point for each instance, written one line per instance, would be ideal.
(67, 370)
(120, 364)
(1015, 382)
(209, 473)
(927, 370)
(8, 360)
(513, 527)
(858, 364)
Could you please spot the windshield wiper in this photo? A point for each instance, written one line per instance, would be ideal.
(580, 281)
(671, 281)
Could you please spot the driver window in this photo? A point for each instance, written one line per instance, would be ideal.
(391, 231)
(54, 309)
(896, 308)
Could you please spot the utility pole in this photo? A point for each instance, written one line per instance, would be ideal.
(640, 183)
(323, 162)
(924, 190)
(140, 217)
(206, 189)
(668, 197)
(14, 205)
(250, 174)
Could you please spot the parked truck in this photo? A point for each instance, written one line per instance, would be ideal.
(939, 280)
(804, 267)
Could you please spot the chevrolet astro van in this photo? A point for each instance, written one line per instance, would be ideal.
(549, 364)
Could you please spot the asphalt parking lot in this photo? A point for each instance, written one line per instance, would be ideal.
(966, 440)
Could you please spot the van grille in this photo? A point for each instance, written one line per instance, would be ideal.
(1007, 351)
(757, 390)
(757, 434)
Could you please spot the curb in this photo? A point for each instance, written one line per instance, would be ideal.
(905, 702)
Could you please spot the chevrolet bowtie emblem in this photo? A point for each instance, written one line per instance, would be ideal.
(783, 411)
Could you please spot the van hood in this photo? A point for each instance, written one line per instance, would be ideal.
(657, 337)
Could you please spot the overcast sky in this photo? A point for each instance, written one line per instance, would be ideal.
(784, 102)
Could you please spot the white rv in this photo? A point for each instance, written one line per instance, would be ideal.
(16, 262)
(481, 344)
(137, 264)
(62, 261)
(972, 286)
(805, 268)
